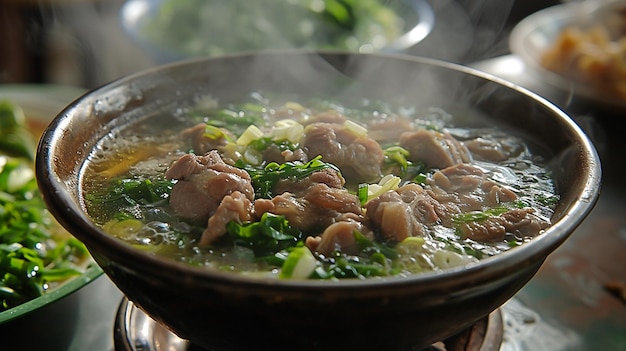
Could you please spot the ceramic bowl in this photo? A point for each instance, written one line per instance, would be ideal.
(227, 311)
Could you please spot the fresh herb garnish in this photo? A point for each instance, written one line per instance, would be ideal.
(267, 236)
(264, 179)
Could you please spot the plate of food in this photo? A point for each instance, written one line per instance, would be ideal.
(577, 47)
(40, 263)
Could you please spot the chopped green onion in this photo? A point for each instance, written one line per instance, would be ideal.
(215, 133)
(362, 193)
(476, 216)
(300, 264)
(288, 129)
(251, 133)
(355, 128)
(387, 183)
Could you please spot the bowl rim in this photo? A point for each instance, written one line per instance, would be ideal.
(515, 258)
(62, 291)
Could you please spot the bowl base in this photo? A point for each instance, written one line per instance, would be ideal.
(134, 331)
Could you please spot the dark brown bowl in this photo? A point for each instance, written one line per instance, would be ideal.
(225, 311)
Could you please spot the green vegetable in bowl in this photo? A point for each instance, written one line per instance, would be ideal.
(35, 253)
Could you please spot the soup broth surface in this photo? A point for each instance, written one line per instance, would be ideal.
(318, 189)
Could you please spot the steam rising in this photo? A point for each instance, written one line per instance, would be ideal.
(85, 44)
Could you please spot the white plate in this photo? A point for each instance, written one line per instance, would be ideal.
(535, 34)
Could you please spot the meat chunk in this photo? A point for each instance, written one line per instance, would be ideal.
(467, 188)
(488, 230)
(521, 222)
(326, 176)
(203, 181)
(451, 191)
(313, 202)
(494, 149)
(402, 213)
(358, 156)
(317, 206)
(200, 142)
(234, 207)
(435, 149)
(286, 204)
(388, 128)
(340, 236)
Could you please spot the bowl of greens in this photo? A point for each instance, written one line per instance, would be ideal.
(171, 29)
(42, 266)
(317, 200)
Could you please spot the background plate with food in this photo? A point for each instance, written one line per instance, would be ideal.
(578, 48)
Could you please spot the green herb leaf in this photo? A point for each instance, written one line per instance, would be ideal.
(265, 237)
(264, 179)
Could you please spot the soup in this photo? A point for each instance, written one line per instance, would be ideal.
(298, 188)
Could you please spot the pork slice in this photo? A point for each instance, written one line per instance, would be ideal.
(494, 149)
(389, 128)
(296, 210)
(327, 176)
(200, 143)
(339, 236)
(524, 222)
(435, 149)
(202, 183)
(339, 200)
(521, 222)
(486, 149)
(489, 230)
(396, 217)
(496, 194)
(462, 186)
(314, 202)
(358, 156)
(317, 207)
(234, 207)
(467, 187)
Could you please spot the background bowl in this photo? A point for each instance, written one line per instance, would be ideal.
(225, 311)
(532, 37)
(171, 30)
(54, 314)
